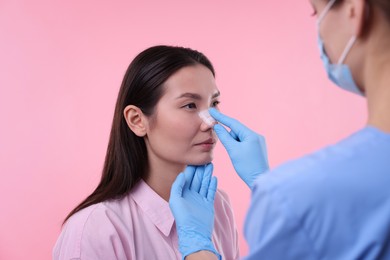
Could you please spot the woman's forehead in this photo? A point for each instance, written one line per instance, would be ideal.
(198, 80)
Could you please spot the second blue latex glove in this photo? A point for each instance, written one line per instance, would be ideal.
(192, 205)
(247, 150)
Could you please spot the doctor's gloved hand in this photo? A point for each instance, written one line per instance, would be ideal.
(192, 204)
(247, 150)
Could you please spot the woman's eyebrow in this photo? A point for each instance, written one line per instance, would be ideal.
(196, 96)
(217, 94)
(190, 95)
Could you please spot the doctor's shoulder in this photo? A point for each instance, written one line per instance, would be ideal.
(319, 167)
(309, 178)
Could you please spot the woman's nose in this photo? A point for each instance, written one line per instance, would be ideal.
(206, 127)
(207, 120)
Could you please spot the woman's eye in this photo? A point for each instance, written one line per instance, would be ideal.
(190, 106)
(216, 103)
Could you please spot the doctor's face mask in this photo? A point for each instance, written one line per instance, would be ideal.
(338, 73)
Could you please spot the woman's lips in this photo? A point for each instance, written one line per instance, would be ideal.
(207, 145)
(207, 142)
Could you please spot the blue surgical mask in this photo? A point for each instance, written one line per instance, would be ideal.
(339, 73)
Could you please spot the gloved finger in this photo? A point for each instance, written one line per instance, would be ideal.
(238, 128)
(224, 136)
(177, 186)
(189, 176)
(212, 189)
(264, 149)
(198, 177)
(206, 180)
(234, 135)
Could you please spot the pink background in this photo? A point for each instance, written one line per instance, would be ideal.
(61, 63)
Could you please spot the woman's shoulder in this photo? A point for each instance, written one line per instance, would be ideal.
(93, 214)
(79, 218)
(68, 243)
(87, 228)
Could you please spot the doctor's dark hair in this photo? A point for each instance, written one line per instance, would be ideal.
(126, 159)
(382, 5)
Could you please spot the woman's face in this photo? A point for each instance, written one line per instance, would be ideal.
(175, 132)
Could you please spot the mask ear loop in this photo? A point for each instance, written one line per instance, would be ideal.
(325, 11)
(347, 49)
(354, 38)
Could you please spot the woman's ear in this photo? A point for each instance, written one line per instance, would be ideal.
(136, 120)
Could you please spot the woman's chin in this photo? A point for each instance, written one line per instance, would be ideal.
(201, 161)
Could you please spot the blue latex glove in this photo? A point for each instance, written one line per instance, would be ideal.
(247, 150)
(192, 205)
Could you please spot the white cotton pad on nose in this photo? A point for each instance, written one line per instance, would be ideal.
(207, 118)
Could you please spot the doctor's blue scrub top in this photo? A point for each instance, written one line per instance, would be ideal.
(332, 204)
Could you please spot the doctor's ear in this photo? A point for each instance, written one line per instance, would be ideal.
(136, 120)
(359, 13)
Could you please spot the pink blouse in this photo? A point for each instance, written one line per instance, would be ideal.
(138, 226)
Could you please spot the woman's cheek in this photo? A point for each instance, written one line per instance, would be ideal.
(189, 127)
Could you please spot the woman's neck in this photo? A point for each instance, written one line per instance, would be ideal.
(161, 176)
